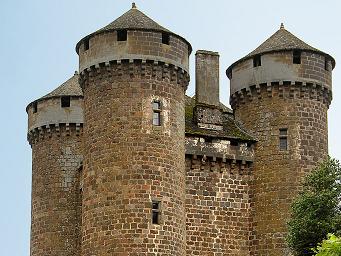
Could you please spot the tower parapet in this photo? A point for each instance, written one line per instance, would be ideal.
(55, 124)
(285, 66)
(134, 74)
(280, 93)
(133, 37)
(62, 107)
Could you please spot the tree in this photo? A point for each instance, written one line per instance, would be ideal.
(316, 211)
(329, 247)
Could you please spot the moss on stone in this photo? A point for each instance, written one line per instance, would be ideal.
(230, 129)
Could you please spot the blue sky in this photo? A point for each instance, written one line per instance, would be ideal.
(37, 53)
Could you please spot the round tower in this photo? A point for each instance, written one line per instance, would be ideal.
(281, 92)
(134, 74)
(55, 134)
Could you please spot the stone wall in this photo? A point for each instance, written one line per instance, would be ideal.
(219, 178)
(129, 162)
(56, 199)
(218, 206)
(143, 45)
(207, 78)
(279, 67)
(278, 173)
(50, 112)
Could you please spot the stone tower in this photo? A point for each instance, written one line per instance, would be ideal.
(54, 132)
(134, 74)
(281, 92)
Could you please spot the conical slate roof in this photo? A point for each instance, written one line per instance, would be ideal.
(69, 88)
(133, 19)
(282, 40)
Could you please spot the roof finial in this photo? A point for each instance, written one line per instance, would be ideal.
(282, 26)
(133, 6)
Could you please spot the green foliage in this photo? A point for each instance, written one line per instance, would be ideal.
(329, 247)
(316, 211)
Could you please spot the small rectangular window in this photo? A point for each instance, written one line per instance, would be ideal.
(86, 44)
(229, 75)
(326, 64)
(122, 35)
(283, 139)
(283, 144)
(296, 57)
(155, 212)
(165, 38)
(157, 113)
(35, 107)
(65, 101)
(283, 132)
(234, 143)
(257, 61)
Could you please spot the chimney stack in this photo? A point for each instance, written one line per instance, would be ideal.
(207, 111)
(207, 78)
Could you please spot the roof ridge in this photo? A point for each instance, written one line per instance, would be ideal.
(133, 19)
(70, 87)
(281, 40)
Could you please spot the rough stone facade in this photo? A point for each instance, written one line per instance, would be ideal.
(129, 162)
(218, 197)
(56, 197)
(277, 182)
(155, 172)
(280, 95)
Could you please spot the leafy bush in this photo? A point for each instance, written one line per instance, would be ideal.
(316, 211)
(329, 247)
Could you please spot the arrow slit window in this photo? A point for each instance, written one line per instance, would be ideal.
(156, 113)
(155, 212)
(283, 139)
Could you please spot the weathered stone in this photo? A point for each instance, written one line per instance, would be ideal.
(217, 181)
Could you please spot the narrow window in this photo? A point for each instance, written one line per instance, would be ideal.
(122, 35)
(257, 61)
(326, 64)
(165, 38)
(86, 44)
(229, 74)
(65, 101)
(156, 113)
(35, 107)
(155, 212)
(234, 143)
(296, 57)
(283, 139)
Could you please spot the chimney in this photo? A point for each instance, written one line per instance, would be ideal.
(207, 78)
(207, 112)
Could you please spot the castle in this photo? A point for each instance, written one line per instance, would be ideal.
(124, 163)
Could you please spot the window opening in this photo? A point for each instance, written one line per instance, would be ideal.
(65, 101)
(229, 75)
(86, 44)
(296, 57)
(165, 38)
(326, 66)
(257, 61)
(121, 35)
(283, 139)
(155, 212)
(35, 107)
(156, 113)
(234, 143)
